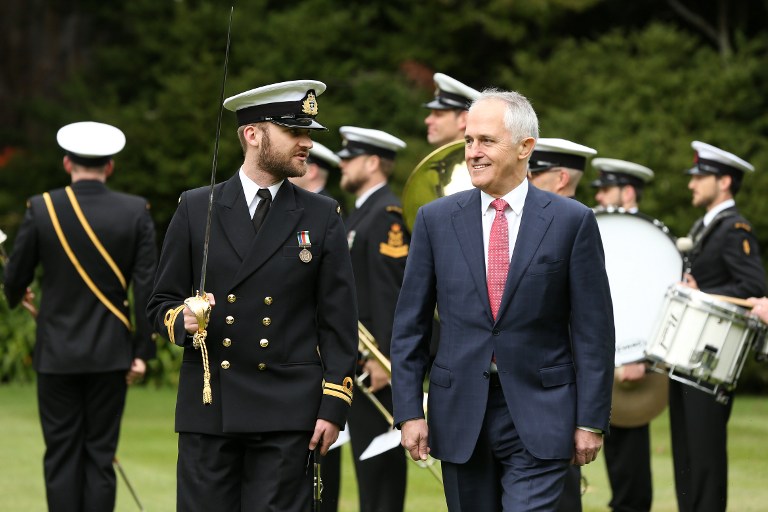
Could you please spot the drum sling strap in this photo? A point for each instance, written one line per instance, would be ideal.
(73, 258)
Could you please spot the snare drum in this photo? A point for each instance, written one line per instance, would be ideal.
(641, 261)
(702, 341)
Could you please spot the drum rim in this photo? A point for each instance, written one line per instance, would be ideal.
(617, 210)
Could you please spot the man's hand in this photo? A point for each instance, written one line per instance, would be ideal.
(324, 436)
(414, 437)
(137, 371)
(586, 446)
(28, 302)
(190, 320)
(631, 372)
(376, 374)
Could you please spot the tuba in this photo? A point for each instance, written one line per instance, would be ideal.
(439, 174)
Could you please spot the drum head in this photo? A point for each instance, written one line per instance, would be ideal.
(642, 262)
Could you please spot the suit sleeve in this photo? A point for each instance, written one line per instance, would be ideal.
(412, 326)
(592, 328)
(173, 280)
(20, 269)
(336, 322)
(143, 275)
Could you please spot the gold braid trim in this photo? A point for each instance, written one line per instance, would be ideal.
(200, 340)
(76, 263)
(343, 391)
(338, 395)
(170, 321)
(92, 236)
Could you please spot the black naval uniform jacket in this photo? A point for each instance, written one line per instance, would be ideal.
(378, 243)
(282, 337)
(76, 333)
(725, 260)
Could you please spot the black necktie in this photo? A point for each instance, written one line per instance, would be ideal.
(261, 210)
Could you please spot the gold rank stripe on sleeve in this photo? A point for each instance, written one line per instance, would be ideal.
(93, 237)
(744, 226)
(343, 391)
(170, 320)
(76, 263)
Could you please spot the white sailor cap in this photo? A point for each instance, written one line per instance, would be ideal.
(322, 156)
(712, 160)
(451, 94)
(292, 104)
(618, 173)
(89, 143)
(550, 153)
(365, 141)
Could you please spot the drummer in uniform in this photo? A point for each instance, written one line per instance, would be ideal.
(627, 449)
(556, 166)
(447, 117)
(378, 244)
(724, 260)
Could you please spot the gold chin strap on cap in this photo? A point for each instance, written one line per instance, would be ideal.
(201, 308)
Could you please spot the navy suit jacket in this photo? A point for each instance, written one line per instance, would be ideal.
(553, 337)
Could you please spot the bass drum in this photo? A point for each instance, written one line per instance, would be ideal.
(641, 261)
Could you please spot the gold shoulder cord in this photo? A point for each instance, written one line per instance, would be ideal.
(92, 236)
(80, 270)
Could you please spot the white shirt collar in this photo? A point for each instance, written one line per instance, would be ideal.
(250, 188)
(515, 199)
(717, 209)
(368, 193)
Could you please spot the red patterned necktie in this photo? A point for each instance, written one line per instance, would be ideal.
(498, 256)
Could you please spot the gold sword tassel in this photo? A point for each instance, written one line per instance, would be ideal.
(201, 308)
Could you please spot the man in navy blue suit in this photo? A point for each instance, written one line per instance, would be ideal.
(521, 384)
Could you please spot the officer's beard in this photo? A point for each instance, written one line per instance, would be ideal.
(279, 165)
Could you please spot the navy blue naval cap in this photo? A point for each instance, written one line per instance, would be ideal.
(712, 160)
(292, 104)
(618, 173)
(451, 94)
(551, 153)
(90, 144)
(365, 141)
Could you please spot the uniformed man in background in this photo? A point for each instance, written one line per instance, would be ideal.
(627, 449)
(92, 244)
(724, 260)
(447, 118)
(378, 243)
(320, 163)
(281, 342)
(557, 165)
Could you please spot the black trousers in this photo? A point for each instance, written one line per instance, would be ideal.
(628, 461)
(381, 480)
(331, 474)
(248, 472)
(80, 416)
(699, 427)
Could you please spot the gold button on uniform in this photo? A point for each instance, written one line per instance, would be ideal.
(226, 342)
(225, 365)
(262, 366)
(267, 321)
(230, 320)
(268, 301)
(264, 342)
(231, 298)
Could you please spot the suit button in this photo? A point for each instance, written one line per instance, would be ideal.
(231, 298)
(126, 303)
(262, 366)
(495, 332)
(266, 321)
(264, 342)
(268, 301)
(226, 342)
(230, 320)
(486, 375)
(225, 365)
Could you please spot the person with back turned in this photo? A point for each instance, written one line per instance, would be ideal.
(92, 244)
(378, 245)
(272, 379)
(557, 166)
(724, 260)
(521, 384)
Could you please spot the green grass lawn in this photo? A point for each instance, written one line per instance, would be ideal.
(147, 452)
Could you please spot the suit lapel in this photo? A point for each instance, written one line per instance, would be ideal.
(468, 224)
(281, 221)
(233, 216)
(533, 227)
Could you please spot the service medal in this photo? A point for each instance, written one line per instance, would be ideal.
(304, 255)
